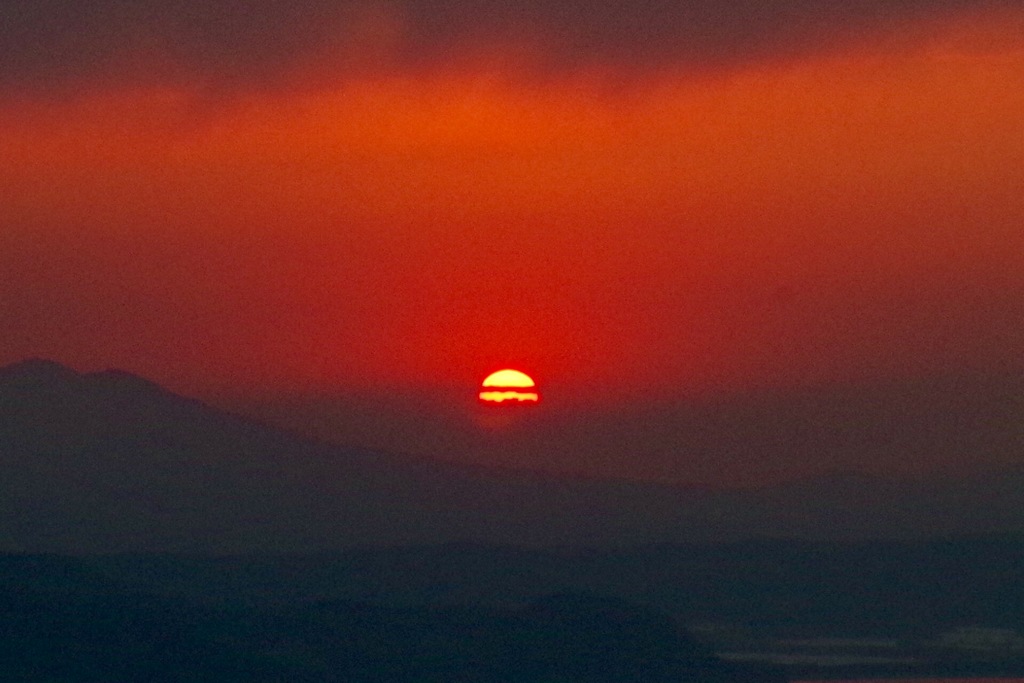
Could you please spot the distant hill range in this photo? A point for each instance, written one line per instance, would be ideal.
(109, 462)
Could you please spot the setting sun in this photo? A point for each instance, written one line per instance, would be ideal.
(508, 378)
(504, 386)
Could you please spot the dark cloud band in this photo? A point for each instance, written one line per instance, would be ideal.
(60, 43)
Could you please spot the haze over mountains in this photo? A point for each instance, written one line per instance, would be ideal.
(953, 424)
(109, 462)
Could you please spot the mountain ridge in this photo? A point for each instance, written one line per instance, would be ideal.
(110, 462)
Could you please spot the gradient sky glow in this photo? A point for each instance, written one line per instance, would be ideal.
(628, 203)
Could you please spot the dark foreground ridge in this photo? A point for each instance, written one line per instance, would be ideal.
(54, 635)
(750, 612)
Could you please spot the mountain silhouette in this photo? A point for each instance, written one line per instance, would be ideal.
(111, 462)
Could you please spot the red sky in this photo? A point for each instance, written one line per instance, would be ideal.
(816, 206)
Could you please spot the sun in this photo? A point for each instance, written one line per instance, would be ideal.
(508, 387)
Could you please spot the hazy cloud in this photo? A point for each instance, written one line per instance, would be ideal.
(48, 44)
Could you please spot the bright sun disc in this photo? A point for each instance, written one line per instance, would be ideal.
(505, 387)
(508, 378)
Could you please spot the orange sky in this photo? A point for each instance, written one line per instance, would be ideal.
(847, 213)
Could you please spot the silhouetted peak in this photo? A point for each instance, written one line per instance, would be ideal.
(45, 380)
(596, 638)
(123, 382)
(38, 371)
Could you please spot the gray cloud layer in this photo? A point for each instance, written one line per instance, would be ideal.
(61, 43)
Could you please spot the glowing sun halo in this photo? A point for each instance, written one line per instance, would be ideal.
(508, 387)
